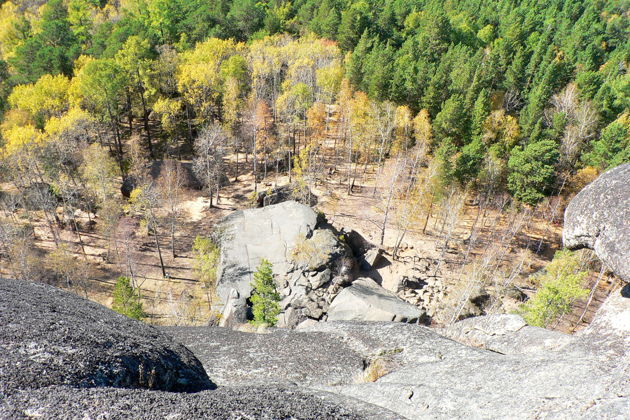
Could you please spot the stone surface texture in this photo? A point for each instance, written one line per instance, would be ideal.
(599, 218)
(52, 337)
(365, 300)
(280, 356)
(268, 402)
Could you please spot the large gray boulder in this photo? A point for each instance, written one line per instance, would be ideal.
(262, 402)
(52, 337)
(599, 218)
(310, 263)
(365, 300)
(248, 236)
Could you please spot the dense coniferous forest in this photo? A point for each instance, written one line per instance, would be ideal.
(514, 99)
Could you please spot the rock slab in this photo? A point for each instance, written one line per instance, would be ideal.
(599, 218)
(365, 300)
(52, 337)
(268, 402)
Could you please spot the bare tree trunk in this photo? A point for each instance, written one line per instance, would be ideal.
(255, 159)
(129, 113)
(189, 124)
(157, 245)
(426, 221)
(145, 115)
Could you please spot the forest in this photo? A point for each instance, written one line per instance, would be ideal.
(420, 105)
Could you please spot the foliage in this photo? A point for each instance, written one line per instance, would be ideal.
(613, 147)
(206, 256)
(126, 300)
(265, 298)
(532, 171)
(560, 285)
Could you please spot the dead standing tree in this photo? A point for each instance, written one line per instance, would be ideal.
(170, 184)
(208, 163)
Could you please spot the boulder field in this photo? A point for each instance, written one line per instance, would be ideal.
(314, 267)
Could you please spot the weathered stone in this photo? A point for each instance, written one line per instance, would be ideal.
(248, 236)
(320, 278)
(227, 403)
(303, 255)
(599, 218)
(506, 334)
(281, 357)
(313, 310)
(585, 376)
(365, 300)
(372, 256)
(52, 337)
(234, 311)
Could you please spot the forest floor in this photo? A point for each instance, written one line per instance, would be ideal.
(491, 270)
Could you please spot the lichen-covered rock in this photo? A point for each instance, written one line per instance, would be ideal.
(587, 376)
(599, 218)
(365, 300)
(52, 337)
(226, 403)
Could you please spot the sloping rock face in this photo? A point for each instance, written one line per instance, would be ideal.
(599, 218)
(505, 334)
(268, 402)
(51, 337)
(365, 300)
(585, 376)
(64, 357)
(280, 357)
(519, 371)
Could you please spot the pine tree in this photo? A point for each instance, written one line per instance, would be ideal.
(451, 121)
(265, 297)
(469, 162)
(126, 300)
(532, 170)
(358, 58)
(480, 112)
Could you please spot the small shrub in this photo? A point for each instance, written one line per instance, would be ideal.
(560, 285)
(265, 297)
(309, 252)
(126, 300)
(375, 370)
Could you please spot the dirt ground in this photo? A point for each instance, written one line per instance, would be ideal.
(507, 246)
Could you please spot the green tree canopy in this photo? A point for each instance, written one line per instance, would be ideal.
(265, 297)
(531, 169)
